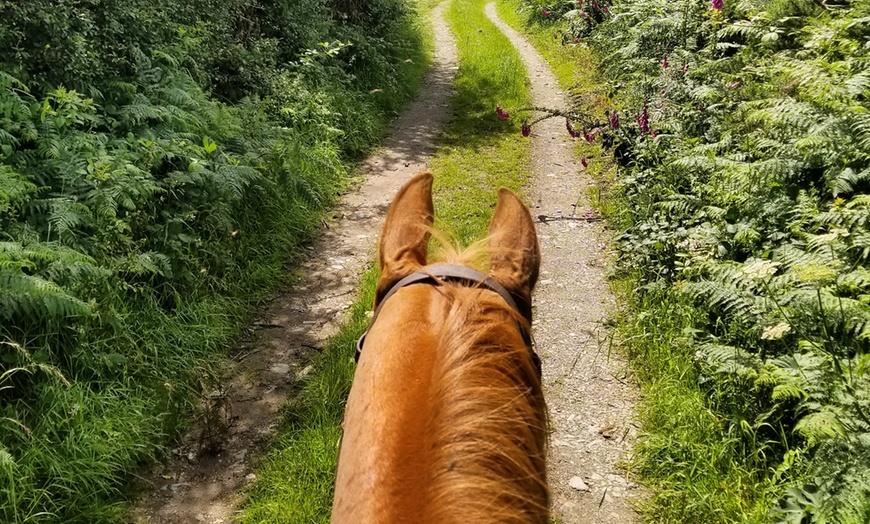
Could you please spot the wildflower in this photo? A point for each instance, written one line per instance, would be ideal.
(605, 10)
(717, 5)
(735, 85)
(584, 14)
(545, 12)
(576, 40)
(590, 136)
(584, 162)
(504, 115)
(595, 5)
(664, 61)
(760, 269)
(654, 134)
(579, 3)
(571, 131)
(775, 332)
(614, 120)
(527, 129)
(643, 120)
(686, 67)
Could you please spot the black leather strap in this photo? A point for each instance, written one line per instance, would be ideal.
(453, 273)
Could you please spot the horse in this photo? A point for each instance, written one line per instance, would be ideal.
(446, 419)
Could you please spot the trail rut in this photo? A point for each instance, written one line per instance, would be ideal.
(191, 488)
(591, 401)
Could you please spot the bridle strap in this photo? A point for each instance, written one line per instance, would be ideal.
(453, 273)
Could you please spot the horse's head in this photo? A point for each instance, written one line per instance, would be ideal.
(513, 245)
(446, 419)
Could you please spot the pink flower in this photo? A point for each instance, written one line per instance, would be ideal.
(686, 67)
(664, 61)
(735, 85)
(583, 14)
(643, 120)
(584, 162)
(717, 5)
(571, 131)
(654, 134)
(579, 3)
(527, 129)
(595, 5)
(504, 115)
(614, 120)
(605, 10)
(590, 136)
(545, 12)
(576, 40)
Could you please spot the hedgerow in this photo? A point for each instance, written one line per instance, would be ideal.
(160, 162)
(742, 138)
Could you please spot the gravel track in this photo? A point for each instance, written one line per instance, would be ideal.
(591, 401)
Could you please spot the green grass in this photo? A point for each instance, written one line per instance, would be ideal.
(478, 154)
(695, 471)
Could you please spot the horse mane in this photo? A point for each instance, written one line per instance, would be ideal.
(489, 433)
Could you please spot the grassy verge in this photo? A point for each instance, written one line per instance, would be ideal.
(695, 469)
(479, 153)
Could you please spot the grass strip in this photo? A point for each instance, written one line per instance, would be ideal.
(477, 154)
(694, 470)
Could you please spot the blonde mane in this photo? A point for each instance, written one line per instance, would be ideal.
(490, 431)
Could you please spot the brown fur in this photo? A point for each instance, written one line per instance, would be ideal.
(446, 420)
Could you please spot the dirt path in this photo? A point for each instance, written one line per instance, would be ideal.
(206, 488)
(590, 401)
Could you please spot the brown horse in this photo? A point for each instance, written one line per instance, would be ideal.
(446, 420)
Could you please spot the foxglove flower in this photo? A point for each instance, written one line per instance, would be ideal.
(643, 120)
(614, 120)
(584, 14)
(576, 40)
(686, 67)
(504, 115)
(595, 5)
(717, 5)
(584, 162)
(605, 10)
(545, 12)
(527, 129)
(579, 3)
(571, 131)
(664, 61)
(735, 85)
(590, 136)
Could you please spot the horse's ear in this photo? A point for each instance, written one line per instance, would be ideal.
(405, 236)
(515, 257)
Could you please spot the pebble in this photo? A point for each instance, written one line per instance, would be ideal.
(281, 369)
(578, 484)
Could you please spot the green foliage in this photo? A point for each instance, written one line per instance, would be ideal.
(159, 165)
(747, 198)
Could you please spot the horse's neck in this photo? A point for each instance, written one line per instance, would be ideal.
(384, 466)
